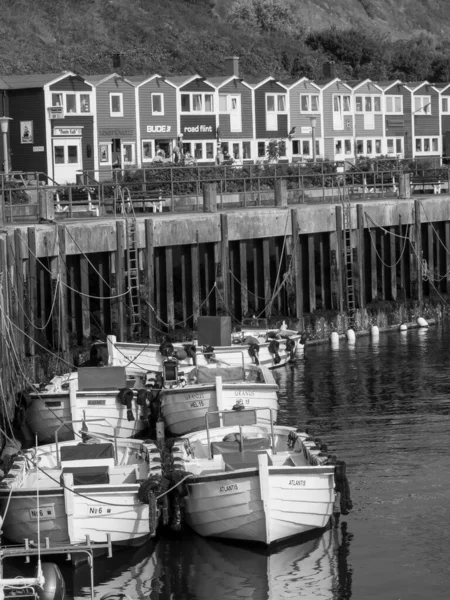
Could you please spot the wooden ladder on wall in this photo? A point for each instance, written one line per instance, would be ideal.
(132, 264)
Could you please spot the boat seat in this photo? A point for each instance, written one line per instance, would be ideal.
(98, 474)
(251, 445)
(243, 460)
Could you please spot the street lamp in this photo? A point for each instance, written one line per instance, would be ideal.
(313, 131)
(4, 124)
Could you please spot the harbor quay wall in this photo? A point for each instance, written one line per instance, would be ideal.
(321, 267)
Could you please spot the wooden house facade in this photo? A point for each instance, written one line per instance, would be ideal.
(305, 120)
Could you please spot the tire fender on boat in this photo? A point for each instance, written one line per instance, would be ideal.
(274, 345)
(126, 398)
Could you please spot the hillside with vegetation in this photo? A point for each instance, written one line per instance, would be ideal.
(380, 39)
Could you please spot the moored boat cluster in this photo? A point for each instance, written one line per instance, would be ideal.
(226, 468)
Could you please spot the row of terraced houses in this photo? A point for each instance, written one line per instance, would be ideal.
(62, 124)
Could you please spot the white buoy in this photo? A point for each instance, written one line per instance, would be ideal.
(334, 338)
(403, 327)
(421, 322)
(350, 335)
(375, 330)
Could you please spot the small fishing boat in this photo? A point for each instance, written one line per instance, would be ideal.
(66, 491)
(257, 483)
(107, 397)
(186, 398)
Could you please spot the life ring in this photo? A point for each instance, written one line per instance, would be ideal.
(274, 345)
(126, 398)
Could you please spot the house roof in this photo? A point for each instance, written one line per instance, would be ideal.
(16, 82)
(97, 79)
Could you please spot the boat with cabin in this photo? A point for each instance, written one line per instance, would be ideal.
(68, 491)
(257, 483)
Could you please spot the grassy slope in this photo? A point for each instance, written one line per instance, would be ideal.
(176, 36)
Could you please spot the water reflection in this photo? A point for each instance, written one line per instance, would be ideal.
(193, 568)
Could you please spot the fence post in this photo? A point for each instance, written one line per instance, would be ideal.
(281, 193)
(209, 197)
(404, 186)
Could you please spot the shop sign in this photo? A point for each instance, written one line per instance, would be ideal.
(38, 148)
(197, 129)
(159, 128)
(115, 132)
(306, 129)
(67, 131)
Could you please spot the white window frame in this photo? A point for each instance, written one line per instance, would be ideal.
(277, 110)
(394, 98)
(423, 139)
(204, 158)
(191, 103)
(157, 112)
(133, 153)
(114, 95)
(109, 147)
(343, 141)
(306, 155)
(424, 107)
(395, 139)
(445, 99)
(363, 101)
(309, 97)
(63, 102)
(144, 158)
(342, 96)
(374, 145)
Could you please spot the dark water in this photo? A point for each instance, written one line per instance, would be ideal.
(381, 405)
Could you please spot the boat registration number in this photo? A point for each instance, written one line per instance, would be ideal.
(231, 487)
(242, 401)
(43, 512)
(297, 483)
(99, 510)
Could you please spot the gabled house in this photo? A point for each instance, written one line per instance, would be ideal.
(52, 128)
(271, 115)
(367, 102)
(444, 111)
(235, 107)
(197, 117)
(115, 122)
(156, 117)
(338, 119)
(425, 119)
(305, 120)
(397, 119)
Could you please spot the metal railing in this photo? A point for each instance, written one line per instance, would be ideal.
(35, 196)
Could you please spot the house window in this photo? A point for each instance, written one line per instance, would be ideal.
(57, 100)
(261, 149)
(71, 103)
(209, 150)
(342, 147)
(223, 102)
(341, 103)
(427, 145)
(186, 148)
(246, 150)
(128, 153)
(157, 104)
(147, 150)
(368, 147)
(198, 150)
(445, 105)
(422, 105)
(198, 103)
(85, 103)
(309, 103)
(394, 145)
(367, 104)
(104, 153)
(394, 105)
(275, 105)
(116, 105)
(236, 151)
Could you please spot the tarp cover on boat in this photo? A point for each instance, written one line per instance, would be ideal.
(101, 378)
(87, 451)
(206, 375)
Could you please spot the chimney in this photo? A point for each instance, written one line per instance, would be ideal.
(118, 62)
(232, 66)
(329, 70)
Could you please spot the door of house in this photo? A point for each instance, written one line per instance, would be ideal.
(67, 159)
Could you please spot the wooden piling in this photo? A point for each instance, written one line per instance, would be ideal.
(149, 278)
(266, 277)
(195, 281)
(297, 264)
(418, 250)
(121, 302)
(85, 298)
(32, 279)
(312, 272)
(243, 277)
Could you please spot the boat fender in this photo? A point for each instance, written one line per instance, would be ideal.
(303, 338)
(253, 351)
(273, 349)
(54, 587)
(144, 397)
(342, 486)
(148, 492)
(208, 351)
(126, 398)
(166, 349)
(180, 354)
(291, 347)
(191, 351)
